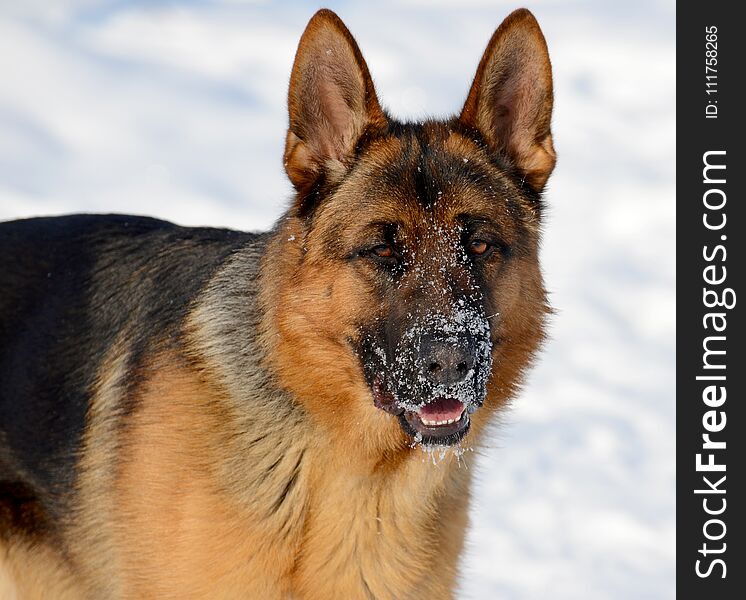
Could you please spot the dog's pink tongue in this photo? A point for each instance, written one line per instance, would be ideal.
(442, 409)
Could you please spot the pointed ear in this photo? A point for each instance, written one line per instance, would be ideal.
(510, 101)
(331, 102)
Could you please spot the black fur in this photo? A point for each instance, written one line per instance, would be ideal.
(414, 168)
(68, 288)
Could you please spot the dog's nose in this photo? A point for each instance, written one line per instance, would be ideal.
(446, 361)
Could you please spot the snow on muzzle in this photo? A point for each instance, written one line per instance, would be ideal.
(437, 375)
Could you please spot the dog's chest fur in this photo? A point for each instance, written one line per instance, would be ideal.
(311, 523)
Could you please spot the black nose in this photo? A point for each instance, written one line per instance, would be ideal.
(446, 361)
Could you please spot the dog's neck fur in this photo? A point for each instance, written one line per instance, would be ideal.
(380, 509)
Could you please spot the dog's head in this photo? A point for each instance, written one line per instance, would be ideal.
(411, 284)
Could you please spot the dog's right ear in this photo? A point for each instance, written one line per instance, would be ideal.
(331, 102)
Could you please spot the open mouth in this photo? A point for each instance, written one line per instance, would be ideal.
(441, 421)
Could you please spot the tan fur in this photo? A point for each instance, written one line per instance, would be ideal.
(93, 544)
(180, 533)
(327, 112)
(31, 570)
(243, 455)
(511, 98)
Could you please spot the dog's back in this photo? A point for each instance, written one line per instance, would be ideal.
(201, 413)
(69, 287)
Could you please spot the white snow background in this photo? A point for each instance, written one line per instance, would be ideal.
(177, 110)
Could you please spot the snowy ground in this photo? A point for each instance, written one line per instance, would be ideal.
(176, 110)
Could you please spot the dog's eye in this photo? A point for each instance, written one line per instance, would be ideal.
(383, 251)
(478, 247)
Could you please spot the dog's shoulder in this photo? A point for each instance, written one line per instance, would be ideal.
(72, 288)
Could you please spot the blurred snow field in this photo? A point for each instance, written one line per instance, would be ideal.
(177, 110)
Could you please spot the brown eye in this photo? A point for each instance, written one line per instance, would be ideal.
(383, 251)
(478, 247)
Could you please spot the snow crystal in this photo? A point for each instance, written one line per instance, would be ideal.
(437, 453)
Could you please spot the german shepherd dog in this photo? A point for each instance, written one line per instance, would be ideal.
(204, 413)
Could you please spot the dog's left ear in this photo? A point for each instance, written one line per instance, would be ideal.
(510, 101)
(331, 102)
